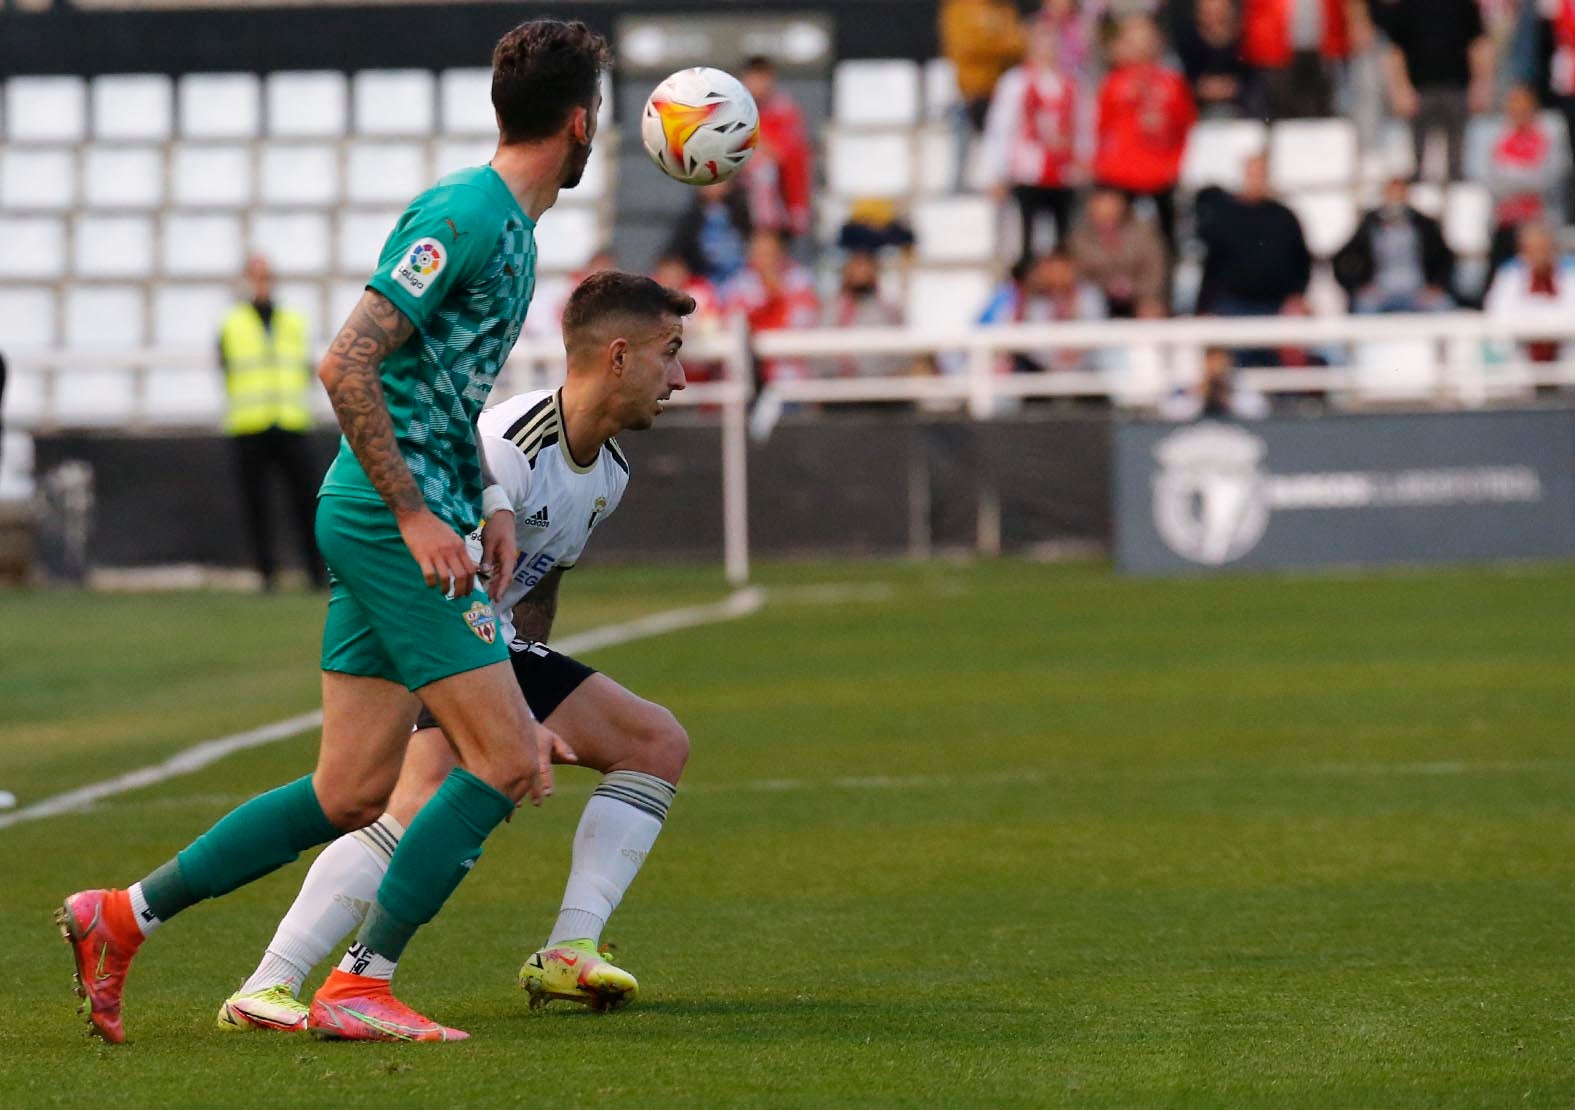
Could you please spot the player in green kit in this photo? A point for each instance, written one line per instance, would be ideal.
(408, 374)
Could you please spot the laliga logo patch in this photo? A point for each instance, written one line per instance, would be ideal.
(424, 262)
(482, 622)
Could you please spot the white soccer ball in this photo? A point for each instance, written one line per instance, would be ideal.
(700, 125)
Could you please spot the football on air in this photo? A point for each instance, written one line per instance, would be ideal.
(700, 126)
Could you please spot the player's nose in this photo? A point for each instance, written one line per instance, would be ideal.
(676, 380)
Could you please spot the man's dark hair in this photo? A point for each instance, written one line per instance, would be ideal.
(759, 63)
(609, 293)
(541, 71)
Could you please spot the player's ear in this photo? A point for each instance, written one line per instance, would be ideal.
(618, 355)
(580, 125)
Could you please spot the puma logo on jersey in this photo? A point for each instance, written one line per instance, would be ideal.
(454, 229)
(538, 519)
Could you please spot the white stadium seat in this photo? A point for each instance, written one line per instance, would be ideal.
(1328, 219)
(1468, 218)
(25, 392)
(93, 397)
(879, 93)
(393, 102)
(295, 242)
(449, 155)
(105, 316)
(956, 229)
(944, 298)
(343, 296)
(38, 178)
(937, 159)
(112, 246)
(211, 176)
(220, 106)
(123, 177)
(305, 297)
(385, 173)
(1312, 154)
(27, 316)
(1216, 150)
(36, 246)
(294, 173)
(466, 97)
(1428, 198)
(183, 395)
(567, 239)
(133, 106)
(306, 104)
(361, 238)
(16, 466)
(869, 163)
(941, 96)
(189, 315)
(202, 246)
(46, 109)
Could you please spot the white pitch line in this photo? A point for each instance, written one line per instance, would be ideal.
(740, 604)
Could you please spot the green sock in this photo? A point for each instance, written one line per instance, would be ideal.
(251, 840)
(441, 845)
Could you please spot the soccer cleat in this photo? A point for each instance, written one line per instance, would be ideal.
(273, 1009)
(103, 935)
(576, 971)
(360, 1008)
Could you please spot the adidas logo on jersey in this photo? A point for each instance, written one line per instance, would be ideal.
(538, 519)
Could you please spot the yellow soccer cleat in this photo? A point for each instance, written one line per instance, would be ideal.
(575, 971)
(274, 1009)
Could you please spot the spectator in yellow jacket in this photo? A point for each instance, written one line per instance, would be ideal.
(983, 39)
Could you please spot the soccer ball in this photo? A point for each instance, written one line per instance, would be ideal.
(700, 126)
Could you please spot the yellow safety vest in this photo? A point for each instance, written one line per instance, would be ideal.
(268, 371)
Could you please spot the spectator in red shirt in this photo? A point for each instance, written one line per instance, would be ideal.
(1295, 45)
(774, 292)
(1030, 138)
(1525, 174)
(1145, 114)
(777, 179)
(672, 271)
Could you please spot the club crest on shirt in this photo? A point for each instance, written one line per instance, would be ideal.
(483, 622)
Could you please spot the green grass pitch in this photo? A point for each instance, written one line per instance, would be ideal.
(997, 834)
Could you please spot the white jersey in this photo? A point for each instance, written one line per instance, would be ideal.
(557, 502)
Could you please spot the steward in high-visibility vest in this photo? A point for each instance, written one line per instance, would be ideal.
(268, 371)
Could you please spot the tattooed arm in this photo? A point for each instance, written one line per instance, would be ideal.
(534, 614)
(349, 372)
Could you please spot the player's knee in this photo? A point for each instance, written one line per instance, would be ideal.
(352, 807)
(661, 745)
(509, 773)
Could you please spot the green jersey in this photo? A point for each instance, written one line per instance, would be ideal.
(461, 265)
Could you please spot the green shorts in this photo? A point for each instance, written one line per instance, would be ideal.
(384, 621)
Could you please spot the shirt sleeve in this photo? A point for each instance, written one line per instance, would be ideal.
(509, 470)
(440, 244)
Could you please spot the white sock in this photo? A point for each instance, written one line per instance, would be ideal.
(147, 921)
(359, 960)
(338, 890)
(617, 830)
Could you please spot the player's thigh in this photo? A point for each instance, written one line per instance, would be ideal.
(366, 725)
(428, 760)
(483, 714)
(611, 728)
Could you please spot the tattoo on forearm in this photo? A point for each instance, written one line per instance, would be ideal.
(374, 330)
(534, 614)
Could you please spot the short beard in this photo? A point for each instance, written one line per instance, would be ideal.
(578, 157)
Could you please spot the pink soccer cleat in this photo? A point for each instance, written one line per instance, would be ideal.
(360, 1008)
(103, 935)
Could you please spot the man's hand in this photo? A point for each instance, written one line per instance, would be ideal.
(543, 745)
(438, 550)
(1479, 96)
(498, 552)
(1407, 102)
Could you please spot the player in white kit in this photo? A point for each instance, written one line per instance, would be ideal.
(561, 474)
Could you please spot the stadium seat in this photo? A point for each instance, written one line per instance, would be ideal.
(883, 93)
(944, 298)
(1324, 295)
(133, 106)
(937, 159)
(36, 246)
(292, 173)
(189, 315)
(1396, 370)
(27, 318)
(183, 395)
(393, 102)
(465, 96)
(568, 239)
(16, 466)
(37, 178)
(593, 185)
(385, 173)
(1428, 198)
(1216, 150)
(956, 229)
(361, 238)
(295, 242)
(1468, 218)
(211, 176)
(220, 106)
(305, 297)
(202, 246)
(343, 296)
(1312, 154)
(103, 316)
(123, 177)
(869, 163)
(1393, 155)
(92, 398)
(941, 96)
(46, 109)
(306, 104)
(1328, 219)
(26, 393)
(449, 155)
(112, 246)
